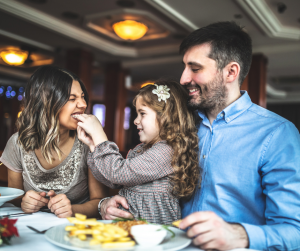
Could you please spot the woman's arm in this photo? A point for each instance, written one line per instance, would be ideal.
(97, 192)
(31, 201)
(61, 206)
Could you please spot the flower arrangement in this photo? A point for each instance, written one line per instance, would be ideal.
(7, 230)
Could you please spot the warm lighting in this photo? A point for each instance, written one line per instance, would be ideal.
(130, 30)
(145, 84)
(14, 57)
(19, 114)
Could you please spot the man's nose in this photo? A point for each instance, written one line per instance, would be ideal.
(185, 77)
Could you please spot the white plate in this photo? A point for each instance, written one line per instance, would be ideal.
(56, 235)
(8, 193)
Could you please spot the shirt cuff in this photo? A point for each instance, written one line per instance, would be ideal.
(256, 235)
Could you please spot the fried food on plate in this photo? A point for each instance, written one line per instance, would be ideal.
(108, 235)
(176, 223)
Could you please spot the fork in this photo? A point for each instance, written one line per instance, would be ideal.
(37, 231)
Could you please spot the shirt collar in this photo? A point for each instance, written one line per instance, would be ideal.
(233, 110)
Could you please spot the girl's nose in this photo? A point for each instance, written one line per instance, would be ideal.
(136, 121)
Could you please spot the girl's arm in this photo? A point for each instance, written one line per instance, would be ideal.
(107, 164)
(61, 206)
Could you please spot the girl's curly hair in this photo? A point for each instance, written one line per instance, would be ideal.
(177, 127)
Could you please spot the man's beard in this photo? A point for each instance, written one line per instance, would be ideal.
(215, 96)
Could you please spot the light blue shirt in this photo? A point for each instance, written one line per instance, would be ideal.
(251, 174)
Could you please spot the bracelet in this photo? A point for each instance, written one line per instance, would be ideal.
(99, 205)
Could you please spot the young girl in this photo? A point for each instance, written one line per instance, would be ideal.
(45, 156)
(163, 168)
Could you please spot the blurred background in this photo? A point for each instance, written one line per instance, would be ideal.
(116, 46)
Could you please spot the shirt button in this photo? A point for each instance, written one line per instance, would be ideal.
(227, 120)
(222, 115)
(204, 156)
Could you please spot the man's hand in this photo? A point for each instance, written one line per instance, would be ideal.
(60, 205)
(110, 211)
(212, 232)
(33, 201)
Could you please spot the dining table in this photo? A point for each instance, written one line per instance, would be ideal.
(30, 240)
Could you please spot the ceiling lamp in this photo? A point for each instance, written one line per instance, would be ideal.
(130, 30)
(14, 57)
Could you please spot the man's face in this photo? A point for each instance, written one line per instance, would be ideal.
(203, 80)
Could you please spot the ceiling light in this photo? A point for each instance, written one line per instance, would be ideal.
(147, 83)
(130, 30)
(14, 57)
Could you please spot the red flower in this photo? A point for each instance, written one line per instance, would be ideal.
(8, 229)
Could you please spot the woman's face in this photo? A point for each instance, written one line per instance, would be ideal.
(75, 105)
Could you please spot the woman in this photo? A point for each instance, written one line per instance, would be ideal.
(45, 157)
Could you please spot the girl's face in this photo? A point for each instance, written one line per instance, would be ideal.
(75, 105)
(146, 122)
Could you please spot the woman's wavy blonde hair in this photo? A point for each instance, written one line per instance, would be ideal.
(177, 127)
(46, 92)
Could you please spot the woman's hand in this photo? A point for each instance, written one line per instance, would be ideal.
(60, 205)
(93, 127)
(85, 138)
(33, 201)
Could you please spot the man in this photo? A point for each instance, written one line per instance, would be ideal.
(250, 157)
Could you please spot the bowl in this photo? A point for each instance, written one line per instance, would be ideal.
(148, 235)
(8, 193)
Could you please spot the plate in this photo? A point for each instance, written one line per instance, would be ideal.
(56, 235)
(8, 193)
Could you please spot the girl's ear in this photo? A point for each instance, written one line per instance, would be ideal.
(232, 72)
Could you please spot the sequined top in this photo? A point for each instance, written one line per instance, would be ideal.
(70, 177)
(144, 177)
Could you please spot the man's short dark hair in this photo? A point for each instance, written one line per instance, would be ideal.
(229, 43)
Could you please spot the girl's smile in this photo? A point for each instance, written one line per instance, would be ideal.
(146, 122)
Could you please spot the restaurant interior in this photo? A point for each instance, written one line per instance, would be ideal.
(117, 46)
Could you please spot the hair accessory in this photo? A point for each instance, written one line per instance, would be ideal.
(162, 92)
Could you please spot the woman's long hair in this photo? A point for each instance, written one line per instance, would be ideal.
(177, 127)
(46, 92)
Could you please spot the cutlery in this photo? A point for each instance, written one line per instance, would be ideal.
(15, 215)
(37, 231)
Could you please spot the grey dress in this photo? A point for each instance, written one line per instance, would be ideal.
(69, 177)
(144, 179)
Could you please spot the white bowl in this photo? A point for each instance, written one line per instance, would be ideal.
(8, 193)
(148, 235)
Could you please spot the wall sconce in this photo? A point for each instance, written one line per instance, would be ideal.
(14, 57)
(130, 29)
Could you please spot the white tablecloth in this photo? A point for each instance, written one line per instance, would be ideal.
(31, 241)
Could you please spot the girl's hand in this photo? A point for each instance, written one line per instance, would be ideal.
(60, 205)
(33, 201)
(85, 138)
(93, 127)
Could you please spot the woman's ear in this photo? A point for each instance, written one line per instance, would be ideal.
(232, 71)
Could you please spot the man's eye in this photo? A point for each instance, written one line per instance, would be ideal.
(195, 70)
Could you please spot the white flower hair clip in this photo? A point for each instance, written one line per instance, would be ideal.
(162, 92)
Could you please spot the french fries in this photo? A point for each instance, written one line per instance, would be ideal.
(108, 235)
(176, 223)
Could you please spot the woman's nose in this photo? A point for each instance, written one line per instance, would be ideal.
(81, 103)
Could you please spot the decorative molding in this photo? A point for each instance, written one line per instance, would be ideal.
(173, 14)
(267, 21)
(151, 61)
(66, 29)
(275, 49)
(26, 40)
(15, 72)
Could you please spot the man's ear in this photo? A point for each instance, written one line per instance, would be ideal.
(232, 72)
